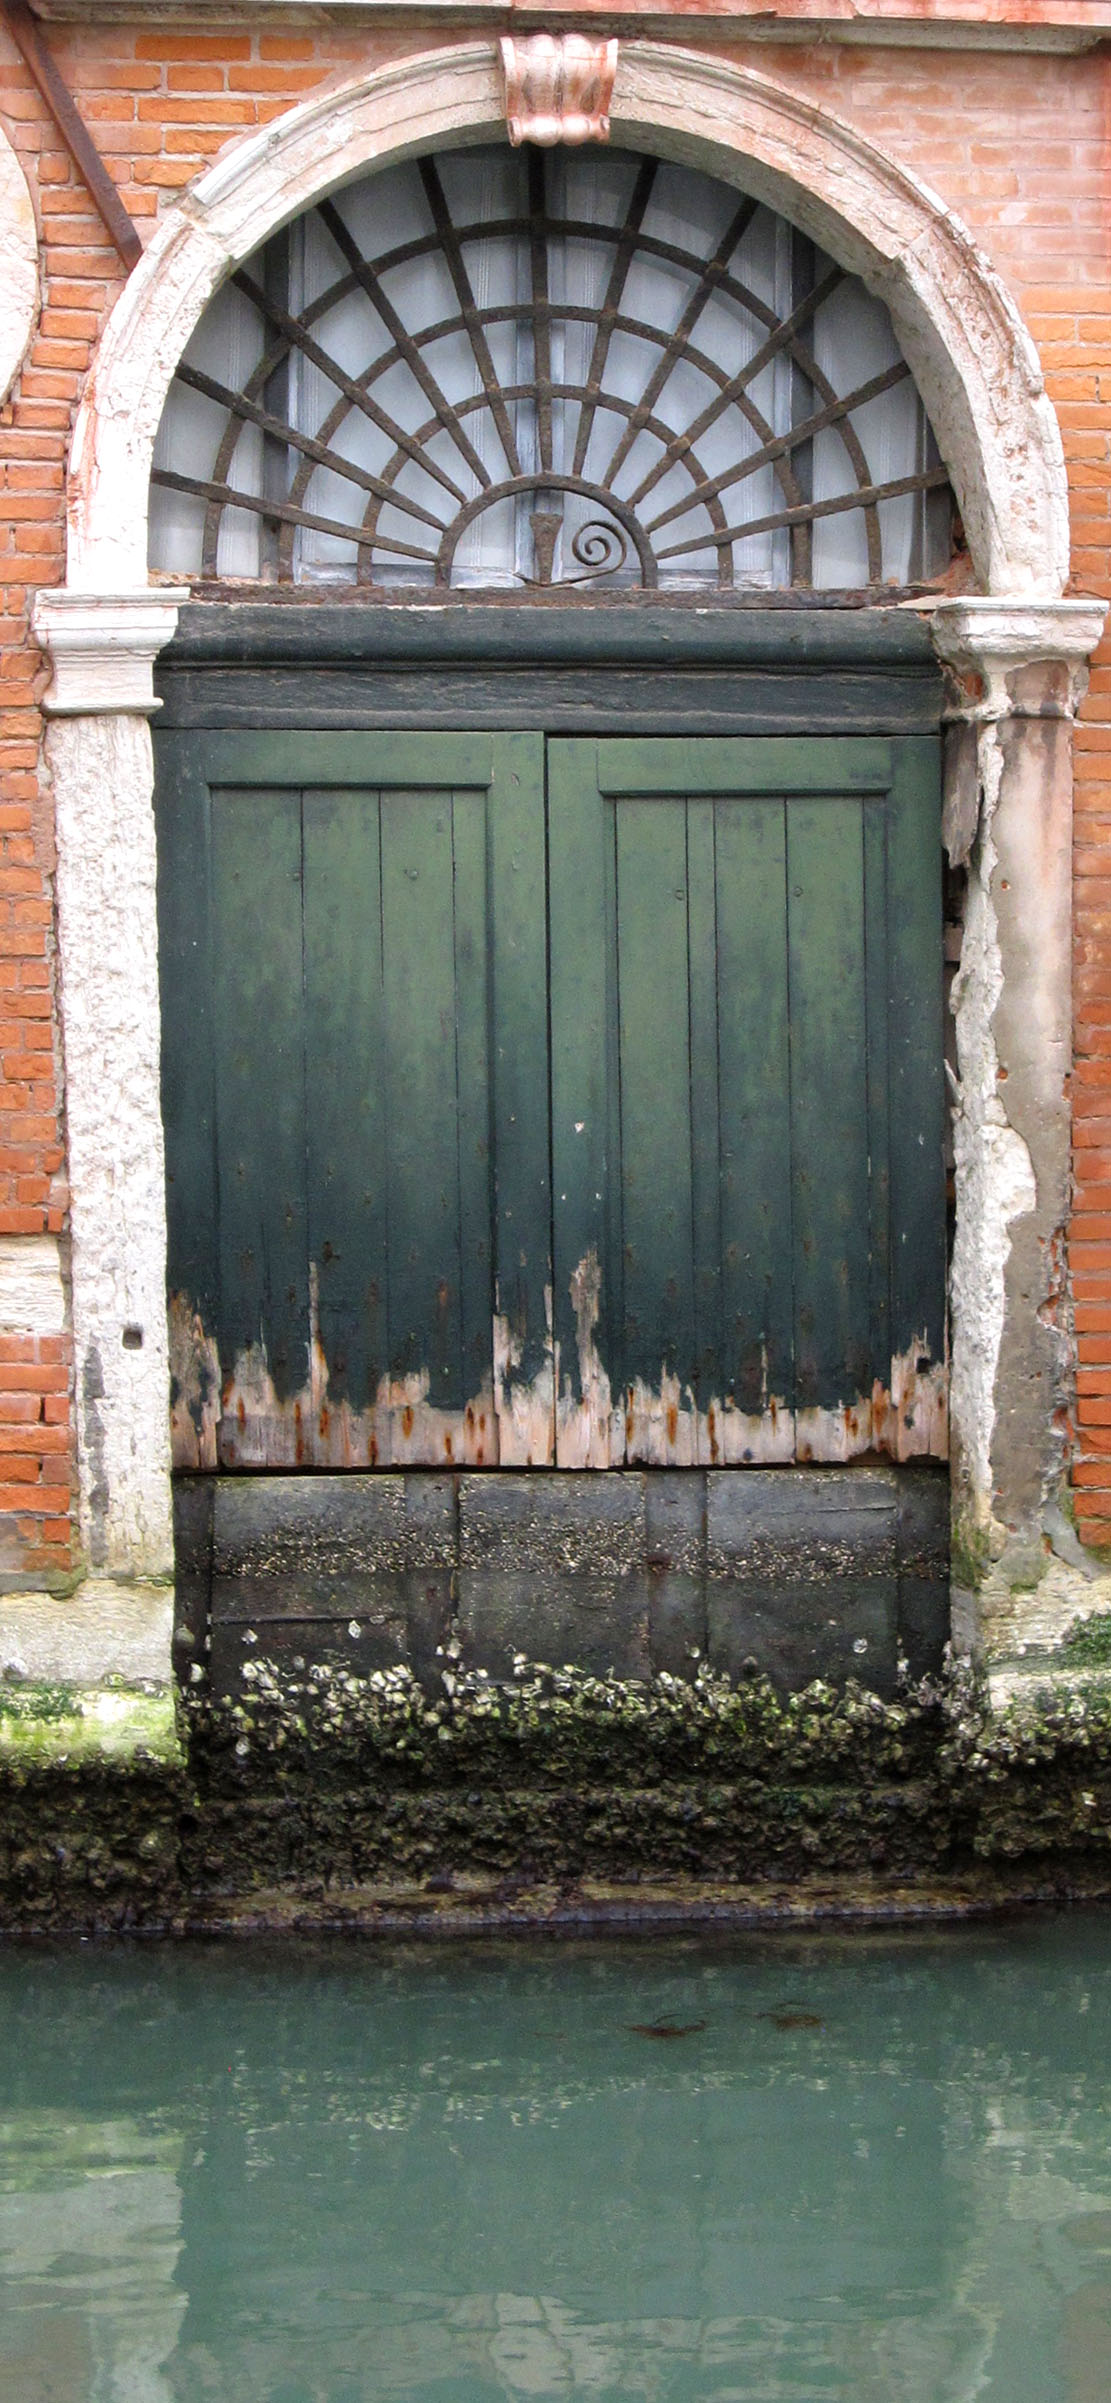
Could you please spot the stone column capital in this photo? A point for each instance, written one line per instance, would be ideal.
(1015, 658)
(102, 648)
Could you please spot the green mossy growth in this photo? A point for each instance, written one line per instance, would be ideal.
(1088, 1645)
(62, 1723)
(969, 1557)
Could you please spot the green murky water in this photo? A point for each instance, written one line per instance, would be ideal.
(777, 2171)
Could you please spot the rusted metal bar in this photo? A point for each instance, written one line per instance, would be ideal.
(471, 313)
(623, 259)
(713, 272)
(25, 33)
(408, 349)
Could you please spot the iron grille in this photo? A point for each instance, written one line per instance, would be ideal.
(595, 370)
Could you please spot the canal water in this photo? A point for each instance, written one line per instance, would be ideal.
(836, 2169)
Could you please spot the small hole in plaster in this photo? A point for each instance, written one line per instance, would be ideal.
(133, 1339)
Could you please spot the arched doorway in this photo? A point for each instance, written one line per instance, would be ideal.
(971, 363)
(549, 1100)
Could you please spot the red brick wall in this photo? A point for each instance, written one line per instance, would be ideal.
(1017, 142)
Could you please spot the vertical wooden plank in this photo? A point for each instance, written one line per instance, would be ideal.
(345, 1125)
(708, 1374)
(260, 1102)
(419, 1071)
(183, 820)
(829, 1112)
(917, 1106)
(653, 1008)
(524, 1391)
(876, 948)
(757, 1339)
(473, 1132)
(586, 1164)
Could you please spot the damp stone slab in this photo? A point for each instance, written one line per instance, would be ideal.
(802, 1578)
(554, 1567)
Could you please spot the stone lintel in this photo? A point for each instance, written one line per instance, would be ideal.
(102, 648)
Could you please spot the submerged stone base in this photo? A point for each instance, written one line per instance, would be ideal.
(562, 1800)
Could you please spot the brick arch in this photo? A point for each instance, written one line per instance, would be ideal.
(974, 363)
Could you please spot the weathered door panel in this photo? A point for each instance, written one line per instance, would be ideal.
(737, 941)
(378, 1075)
(746, 1012)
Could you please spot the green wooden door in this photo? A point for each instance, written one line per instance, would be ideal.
(355, 1095)
(746, 1100)
(707, 1228)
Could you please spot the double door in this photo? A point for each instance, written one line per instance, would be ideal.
(551, 1101)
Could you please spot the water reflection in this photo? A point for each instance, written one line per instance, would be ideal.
(787, 2172)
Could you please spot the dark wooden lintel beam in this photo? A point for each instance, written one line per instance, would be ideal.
(25, 32)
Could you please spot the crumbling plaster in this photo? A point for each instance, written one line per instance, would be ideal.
(982, 385)
(1016, 676)
(19, 266)
(102, 771)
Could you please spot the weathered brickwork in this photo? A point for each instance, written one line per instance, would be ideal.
(1016, 142)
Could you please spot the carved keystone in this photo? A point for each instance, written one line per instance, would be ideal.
(558, 88)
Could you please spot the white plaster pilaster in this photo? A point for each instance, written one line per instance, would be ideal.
(1016, 672)
(98, 750)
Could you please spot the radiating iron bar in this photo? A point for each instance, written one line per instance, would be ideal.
(584, 484)
(574, 312)
(781, 337)
(541, 317)
(802, 398)
(499, 229)
(560, 312)
(367, 277)
(675, 346)
(577, 229)
(275, 395)
(318, 452)
(868, 497)
(229, 498)
(618, 277)
(43, 66)
(356, 393)
(782, 330)
(471, 314)
(803, 432)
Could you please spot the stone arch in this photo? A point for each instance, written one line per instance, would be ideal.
(975, 365)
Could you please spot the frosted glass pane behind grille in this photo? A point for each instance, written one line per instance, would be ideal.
(519, 368)
(227, 345)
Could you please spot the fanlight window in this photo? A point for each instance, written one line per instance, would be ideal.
(519, 369)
